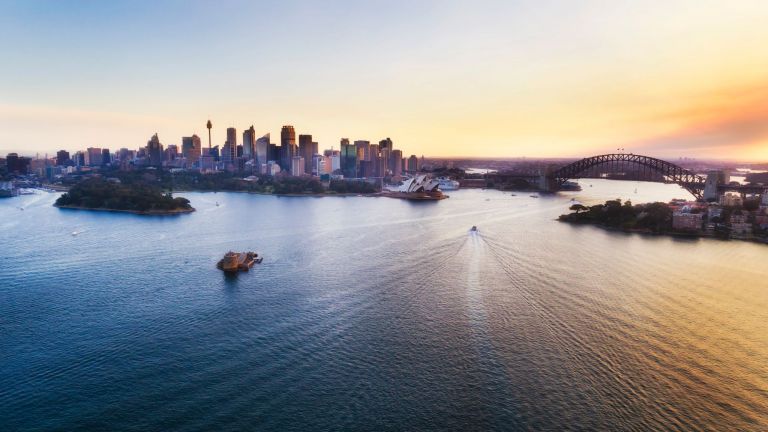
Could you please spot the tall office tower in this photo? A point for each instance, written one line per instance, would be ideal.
(62, 157)
(94, 156)
(106, 159)
(385, 154)
(249, 143)
(335, 159)
(191, 149)
(232, 140)
(226, 153)
(171, 152)
(79, 159)
(273, 153)
(413, 163)
(386, 144)
(262, 148)
(376, 161)
(396, 163)
(155, 151)
(287, 146)
(363, 149)
(305, 151)
(297, 165)
(348, 159)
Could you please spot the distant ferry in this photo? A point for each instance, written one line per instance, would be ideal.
(447, 184)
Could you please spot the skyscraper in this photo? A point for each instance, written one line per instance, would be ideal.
(62, 157)
(305, 151)
(287, 146)
(94, 156)
(232, 140)
(348, 159)
(396, 163)
(262, 148)
(249, 143)
(297, 165)
(363, 149)
(155, 151)
(191, 147)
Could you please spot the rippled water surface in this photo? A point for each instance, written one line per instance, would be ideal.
(377, 314)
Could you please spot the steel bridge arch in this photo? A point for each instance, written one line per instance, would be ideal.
(672, 173)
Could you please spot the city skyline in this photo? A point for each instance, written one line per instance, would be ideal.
(518, 79)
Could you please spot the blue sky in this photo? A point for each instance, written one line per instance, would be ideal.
(545, 78)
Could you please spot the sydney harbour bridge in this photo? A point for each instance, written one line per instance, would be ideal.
(628, 166)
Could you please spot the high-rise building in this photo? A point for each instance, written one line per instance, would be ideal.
(396, 163)
(155, 151)
(62, 157)
(287, 146)
(249, 143)
(93, 155)
(227, 153)
(348, 159)
(191, 148)
(106, 159)
(376, 168)
(306, 151)
(386, 144)
(262, 148)
(232, 140)
(17, 164)
(363, 149)
(413, 163)
(297, 166)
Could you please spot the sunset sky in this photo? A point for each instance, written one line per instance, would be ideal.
(441, 78)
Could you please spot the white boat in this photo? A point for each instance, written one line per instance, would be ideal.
(447, 184)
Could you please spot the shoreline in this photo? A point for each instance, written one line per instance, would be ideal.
(683, 235)
(136, 212)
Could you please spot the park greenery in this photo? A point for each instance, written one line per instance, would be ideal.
(653, 217)
(223, 181)
(101, 194)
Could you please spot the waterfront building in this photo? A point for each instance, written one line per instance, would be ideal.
(306, 152)
(348, 159)
(62, 158)
(155, 151)
(731, 200)
(249, 143)
(686, 221)
(297, 166)
(287, 146)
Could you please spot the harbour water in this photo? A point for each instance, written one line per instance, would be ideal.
(377, 314)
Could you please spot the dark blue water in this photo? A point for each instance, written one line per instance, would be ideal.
(376, 314)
